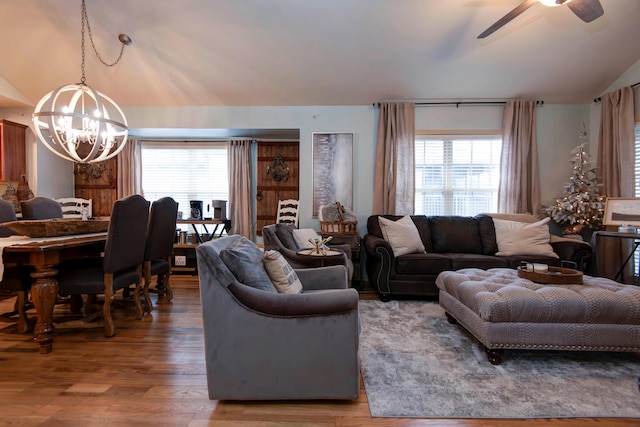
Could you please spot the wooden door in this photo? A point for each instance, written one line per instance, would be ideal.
(277, 179)
(13, 155)
(98, 182)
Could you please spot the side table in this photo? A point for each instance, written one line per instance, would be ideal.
(354, 241)
(597, 235)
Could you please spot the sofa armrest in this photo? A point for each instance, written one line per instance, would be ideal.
(336, 301)
(575, 251)
(321, 278)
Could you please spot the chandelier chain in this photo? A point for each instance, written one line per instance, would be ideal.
(85, 19)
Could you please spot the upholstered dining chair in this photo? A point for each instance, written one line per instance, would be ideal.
(15, 279)
(119, 268)
(40, 208)
(161, 234)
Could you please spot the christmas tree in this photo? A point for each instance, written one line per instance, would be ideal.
(582, 205)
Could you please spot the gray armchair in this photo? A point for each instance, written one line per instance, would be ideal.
(279, 237)
(262, 345)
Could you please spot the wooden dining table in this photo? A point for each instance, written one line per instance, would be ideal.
(44, 256)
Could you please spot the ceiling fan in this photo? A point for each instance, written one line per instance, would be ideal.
(587, 10)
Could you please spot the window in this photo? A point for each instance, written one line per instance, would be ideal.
(185, 171)
(457, 175)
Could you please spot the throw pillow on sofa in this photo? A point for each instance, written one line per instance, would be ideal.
(282, 275)
(521, 238)
(402, 235)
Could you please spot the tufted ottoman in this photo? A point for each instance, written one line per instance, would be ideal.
(504, 311)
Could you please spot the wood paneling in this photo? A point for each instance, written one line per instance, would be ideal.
(269, 190)
(13, 155)
(98, 182)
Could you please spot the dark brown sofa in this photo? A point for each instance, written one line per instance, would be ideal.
(451, 243)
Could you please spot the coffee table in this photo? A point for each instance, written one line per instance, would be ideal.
(504, 311)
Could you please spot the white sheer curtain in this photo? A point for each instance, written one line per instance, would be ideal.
(240, 200)
(129, 173)
(519, 190)
(394, 179)
(616, 164)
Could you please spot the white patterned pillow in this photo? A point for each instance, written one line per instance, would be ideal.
(282, 275)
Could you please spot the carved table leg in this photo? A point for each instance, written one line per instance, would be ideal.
(494, 355)
(44, 292)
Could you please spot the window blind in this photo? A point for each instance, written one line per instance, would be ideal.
(457, 176)
(185, 171)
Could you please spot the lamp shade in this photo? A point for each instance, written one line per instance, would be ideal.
(80, 124)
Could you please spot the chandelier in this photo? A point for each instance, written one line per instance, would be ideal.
(79, 123)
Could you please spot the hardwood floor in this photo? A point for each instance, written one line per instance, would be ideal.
(153, 373)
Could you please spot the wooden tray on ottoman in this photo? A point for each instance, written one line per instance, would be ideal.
(554, 276)
(56, 227)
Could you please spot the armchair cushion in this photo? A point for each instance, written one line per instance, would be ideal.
(302, 236)
(284, 278)
(285, 234)
(245, 261)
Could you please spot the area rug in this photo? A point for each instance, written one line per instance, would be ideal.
(416, 364)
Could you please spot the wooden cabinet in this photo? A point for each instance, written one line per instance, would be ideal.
(98, 182)
(13, 155)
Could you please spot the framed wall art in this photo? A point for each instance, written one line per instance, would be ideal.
(332, 169)
(622, 211)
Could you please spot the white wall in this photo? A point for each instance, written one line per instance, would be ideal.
(558, 127)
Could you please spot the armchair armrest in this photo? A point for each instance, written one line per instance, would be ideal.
(332, 277)
(291, 305)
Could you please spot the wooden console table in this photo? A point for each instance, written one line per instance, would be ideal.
(225, 223)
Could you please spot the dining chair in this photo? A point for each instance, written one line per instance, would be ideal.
(119, 268)
(15, 279)
(75, 207)
(40, 208)
(161, 234)
(288, 212)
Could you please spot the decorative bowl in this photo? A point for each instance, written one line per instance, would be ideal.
(56, 227)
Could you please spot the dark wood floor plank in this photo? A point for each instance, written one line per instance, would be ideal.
(152, 373)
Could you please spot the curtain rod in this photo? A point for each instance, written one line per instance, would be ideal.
(458, 103)
(598, 99)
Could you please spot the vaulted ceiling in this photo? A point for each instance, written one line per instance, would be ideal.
(314, 52)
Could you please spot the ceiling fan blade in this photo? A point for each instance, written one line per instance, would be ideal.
(526, 4)
(587, 10)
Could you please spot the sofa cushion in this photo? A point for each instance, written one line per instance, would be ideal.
(455, 234)
(282, 275)
(424, 263)
(487, 234)
(402, 235)
(459, 261)
(285, 234)
(244, 259)
(521, 238)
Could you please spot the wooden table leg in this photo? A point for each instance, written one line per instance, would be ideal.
(44, 292)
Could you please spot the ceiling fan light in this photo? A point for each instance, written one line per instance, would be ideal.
(553, 3)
